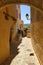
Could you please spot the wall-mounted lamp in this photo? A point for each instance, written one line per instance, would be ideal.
(27, 16)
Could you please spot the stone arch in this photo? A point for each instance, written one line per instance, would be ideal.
(32, 3)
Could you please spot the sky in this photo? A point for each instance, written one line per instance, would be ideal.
(24, 10)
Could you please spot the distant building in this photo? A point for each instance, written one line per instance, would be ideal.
(18, 13)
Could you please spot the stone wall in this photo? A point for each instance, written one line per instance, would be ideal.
(37, 33)
(5, 26)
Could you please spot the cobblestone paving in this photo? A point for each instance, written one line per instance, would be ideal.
(26, 54)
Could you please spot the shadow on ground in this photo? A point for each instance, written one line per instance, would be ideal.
(13, 53)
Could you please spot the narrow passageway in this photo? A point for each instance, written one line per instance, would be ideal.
(26, 55)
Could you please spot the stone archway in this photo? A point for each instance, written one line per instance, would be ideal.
(38, 4)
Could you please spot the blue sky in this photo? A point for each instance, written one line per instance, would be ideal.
(24, 10)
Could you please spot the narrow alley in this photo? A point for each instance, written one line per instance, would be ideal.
(26, 55)
(21, 32)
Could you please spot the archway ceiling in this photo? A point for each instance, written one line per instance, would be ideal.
(38, 4)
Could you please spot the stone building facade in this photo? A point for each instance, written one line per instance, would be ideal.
(5, 26)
